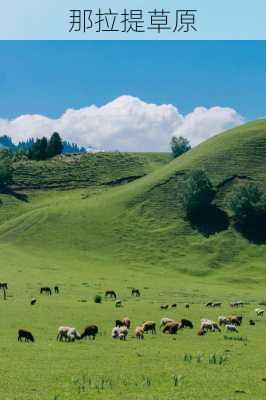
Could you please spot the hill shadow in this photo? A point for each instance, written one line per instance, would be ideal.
(17, 195)
(209, 220)
(254, 230)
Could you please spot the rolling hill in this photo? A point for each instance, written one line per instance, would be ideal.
(89, 169)
(139, 225)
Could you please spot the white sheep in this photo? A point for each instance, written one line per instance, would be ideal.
(67, 333)
(208, 324)
(259, 312)
(73, 335)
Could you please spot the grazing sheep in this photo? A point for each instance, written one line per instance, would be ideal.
(115, 332)
(62, 333)
(216, 305)
(123, 332)
(139, 333)
(135, 292)
(231, 328)
(252, 322)
(118, 303)
(209, 325)
(173, 305)
(126, 322)
(259, 312)
(111, 294)
(209, 304)
(172, 328)
(165, 321)
(237, 304)
(33, 301)
(149, 326)
(67, 334)
(26, 335)
(186, 323)
(73, 335)
(56, 290)
(187, 305)
(3, 285)
(90, 331)
(164, 307)
(46, 290)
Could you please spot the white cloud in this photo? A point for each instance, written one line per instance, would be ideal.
(203, 123)
(126, 124)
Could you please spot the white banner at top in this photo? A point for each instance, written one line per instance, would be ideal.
(132, 20)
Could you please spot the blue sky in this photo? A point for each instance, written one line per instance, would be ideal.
(47, 78)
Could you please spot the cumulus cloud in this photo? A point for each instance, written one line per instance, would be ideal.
(125, 124)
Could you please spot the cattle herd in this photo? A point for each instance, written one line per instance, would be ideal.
(122, 327)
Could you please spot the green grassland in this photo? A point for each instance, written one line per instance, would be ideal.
(83, 230)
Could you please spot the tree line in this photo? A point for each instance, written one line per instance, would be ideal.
(41, 149)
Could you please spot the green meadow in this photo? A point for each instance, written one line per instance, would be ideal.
(114, 221)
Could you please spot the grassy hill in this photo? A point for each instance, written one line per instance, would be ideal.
(83, 170)
(142, 223)
(97, 234)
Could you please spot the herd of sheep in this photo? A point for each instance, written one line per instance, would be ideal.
(122, 327)
(167, 326)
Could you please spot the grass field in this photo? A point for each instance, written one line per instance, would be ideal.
(96, 235)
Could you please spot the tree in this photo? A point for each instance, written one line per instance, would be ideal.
(38, 150)
(197, 193)
(179, 145)
(248, 205)
(55, 145)
(246, 202)
(5, 167)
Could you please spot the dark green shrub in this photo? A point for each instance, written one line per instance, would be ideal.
(179, 145)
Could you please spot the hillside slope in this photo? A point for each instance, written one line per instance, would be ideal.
(83, 170)
(141, 224)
